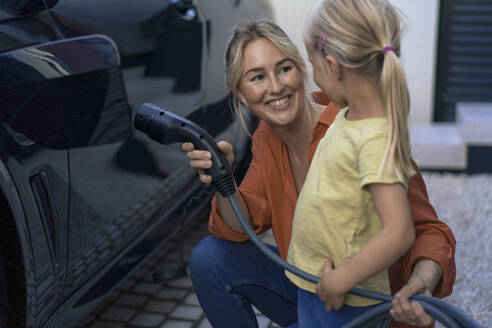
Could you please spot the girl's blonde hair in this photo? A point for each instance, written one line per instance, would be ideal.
(356, 32)
(245, 33)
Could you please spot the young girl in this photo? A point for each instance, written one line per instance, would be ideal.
(352, 218)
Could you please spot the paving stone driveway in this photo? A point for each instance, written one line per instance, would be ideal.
(139, 303)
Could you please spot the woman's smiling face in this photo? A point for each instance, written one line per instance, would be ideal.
(271, 85)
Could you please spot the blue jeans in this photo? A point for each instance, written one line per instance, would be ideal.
(312, 313)
(229, 278)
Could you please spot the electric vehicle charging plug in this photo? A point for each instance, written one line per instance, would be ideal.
(167, 128)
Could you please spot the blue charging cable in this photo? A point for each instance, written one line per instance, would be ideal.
(449, 315)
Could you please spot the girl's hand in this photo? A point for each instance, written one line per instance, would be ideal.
(202, 159)
(328, 288)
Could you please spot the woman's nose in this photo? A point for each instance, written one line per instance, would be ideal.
(276, 86)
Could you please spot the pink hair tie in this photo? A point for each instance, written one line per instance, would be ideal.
(322, 41)
(386, 49)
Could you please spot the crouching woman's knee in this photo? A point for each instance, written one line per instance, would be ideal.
(205, 257)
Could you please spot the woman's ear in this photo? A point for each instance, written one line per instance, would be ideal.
(334, 67)
(240, 97)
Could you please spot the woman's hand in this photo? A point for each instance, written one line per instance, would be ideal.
(202, 159)
(328, 288)
(425, 276)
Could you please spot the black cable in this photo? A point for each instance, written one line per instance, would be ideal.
(447, 314)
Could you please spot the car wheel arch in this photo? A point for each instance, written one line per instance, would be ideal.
(12, 263)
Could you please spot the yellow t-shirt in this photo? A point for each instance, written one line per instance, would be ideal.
(335, 215)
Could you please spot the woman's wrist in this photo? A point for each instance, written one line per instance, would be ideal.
(429, 272)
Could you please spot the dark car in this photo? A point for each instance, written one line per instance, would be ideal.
(84, 197)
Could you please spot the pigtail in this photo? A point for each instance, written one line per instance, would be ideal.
(364, 36)
(396, 99)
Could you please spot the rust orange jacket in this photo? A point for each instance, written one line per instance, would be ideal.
(270, 194)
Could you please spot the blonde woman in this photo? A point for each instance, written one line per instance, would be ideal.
(268, 77)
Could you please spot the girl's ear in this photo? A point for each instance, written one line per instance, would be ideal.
(334, 67)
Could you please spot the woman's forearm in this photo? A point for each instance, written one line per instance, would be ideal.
(227, 213)
(429, 272)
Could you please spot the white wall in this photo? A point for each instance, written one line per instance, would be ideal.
(420, 54)
(419, 48)
(290, 15)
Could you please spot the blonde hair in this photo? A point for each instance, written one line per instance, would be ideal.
(356, 32)
(245, 33)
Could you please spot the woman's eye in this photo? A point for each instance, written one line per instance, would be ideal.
(286, 69)
(257, 77)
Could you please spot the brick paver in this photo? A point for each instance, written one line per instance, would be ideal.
(177, 324)
(147, 319)
(131, 300)
(187, 312)
(107, 324)
(117, 313)
(159, 306)
(139, 303)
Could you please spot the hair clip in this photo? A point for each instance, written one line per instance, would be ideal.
(322, 41)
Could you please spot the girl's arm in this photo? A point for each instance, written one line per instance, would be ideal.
(434, 240)
(383, 249)
(428, 267)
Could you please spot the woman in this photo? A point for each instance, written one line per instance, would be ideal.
(268, 77)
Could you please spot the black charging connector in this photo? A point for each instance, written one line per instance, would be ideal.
(166, 127)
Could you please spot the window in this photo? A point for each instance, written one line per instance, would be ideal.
(464, 68)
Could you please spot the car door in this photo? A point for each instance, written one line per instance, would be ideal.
(117, 188)
(56, 96)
